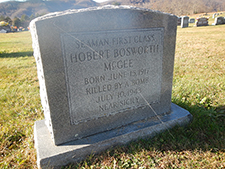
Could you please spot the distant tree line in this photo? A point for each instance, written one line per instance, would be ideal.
(24, 21)
(182, 7)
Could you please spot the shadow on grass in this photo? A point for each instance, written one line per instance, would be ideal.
(17, 54)
(205, 133)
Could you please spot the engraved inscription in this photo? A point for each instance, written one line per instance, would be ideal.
(109, 72)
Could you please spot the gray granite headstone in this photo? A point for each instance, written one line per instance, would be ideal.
(219, 21)
(202, 22)
(105, 78)
(184, 21)
(191, 20)
(179, 21)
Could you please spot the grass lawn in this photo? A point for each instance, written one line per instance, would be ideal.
(198, 86)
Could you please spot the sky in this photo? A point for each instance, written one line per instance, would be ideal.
(8, 0)
(100, 0)
(93, 0)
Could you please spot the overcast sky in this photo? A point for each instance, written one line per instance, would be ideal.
(23, 0)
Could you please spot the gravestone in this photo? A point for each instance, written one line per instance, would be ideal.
(219, 21)
(192, 20)
(184, 21)
(201, 22)
(179, 21)
(105, 79)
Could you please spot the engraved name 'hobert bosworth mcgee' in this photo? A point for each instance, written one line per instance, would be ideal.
(105, 78)
(120, 73)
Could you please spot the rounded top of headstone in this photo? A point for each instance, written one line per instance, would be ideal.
(106, 7)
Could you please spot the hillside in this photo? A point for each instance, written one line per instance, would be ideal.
(17, 9)
(177, 7)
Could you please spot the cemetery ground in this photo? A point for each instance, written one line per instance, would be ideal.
(198, 86)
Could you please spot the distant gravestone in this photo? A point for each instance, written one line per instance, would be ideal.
(201, 22)
(219, 21)
(105, 79)
(179, 21)
(184, 21)
(192, 20)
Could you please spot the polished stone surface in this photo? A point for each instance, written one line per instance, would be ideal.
(99, 68)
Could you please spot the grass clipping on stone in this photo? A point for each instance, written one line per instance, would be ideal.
(198, 86)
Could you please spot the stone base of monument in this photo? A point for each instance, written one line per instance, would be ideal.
(52, 156)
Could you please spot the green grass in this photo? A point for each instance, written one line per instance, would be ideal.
(19, 101)
(198, 86)
(15, 45)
